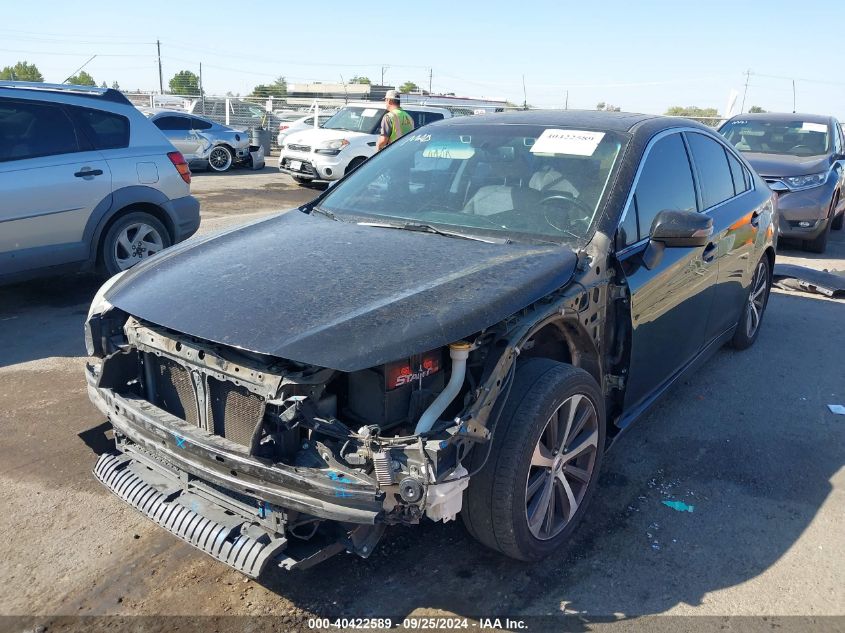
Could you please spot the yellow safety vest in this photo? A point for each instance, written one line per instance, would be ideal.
(402, 124)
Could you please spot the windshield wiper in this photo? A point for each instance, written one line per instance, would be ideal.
(325, 212)
(428, 228)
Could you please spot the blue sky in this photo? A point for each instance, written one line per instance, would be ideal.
(643, 56)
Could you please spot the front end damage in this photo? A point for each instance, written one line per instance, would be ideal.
(259, 460)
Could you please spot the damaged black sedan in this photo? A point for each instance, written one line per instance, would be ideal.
(459, 327)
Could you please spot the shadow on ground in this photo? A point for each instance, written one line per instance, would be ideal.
(43, 318)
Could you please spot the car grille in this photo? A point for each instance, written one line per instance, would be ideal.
(232, 410)
(306, 168)
(299, 148)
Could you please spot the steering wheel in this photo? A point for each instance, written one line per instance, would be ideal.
(571, 203)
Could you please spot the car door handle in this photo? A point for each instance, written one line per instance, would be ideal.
(83, 173)
(709, 253)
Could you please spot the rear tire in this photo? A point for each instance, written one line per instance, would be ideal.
(754, 307)
(131, 239)
(220, 159)
(527, 499)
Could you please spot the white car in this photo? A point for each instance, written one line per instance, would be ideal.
(290, 125)
(345, 141)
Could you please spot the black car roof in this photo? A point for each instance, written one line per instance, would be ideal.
(783, 116)
(590, 119)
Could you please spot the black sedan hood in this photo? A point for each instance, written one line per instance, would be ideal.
(781, 166)
(336, 294)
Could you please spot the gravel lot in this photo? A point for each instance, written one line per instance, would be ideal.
(748, 441)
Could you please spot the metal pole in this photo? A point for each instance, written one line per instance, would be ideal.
(524, 95)
(202, 92)
(566, 105)
(160, 78)
(745, 92)
(793, 96)
(430, 73)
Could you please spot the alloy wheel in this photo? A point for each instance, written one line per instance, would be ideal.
(220, 159)
(135, 243)
(562, 466)
(756, 300)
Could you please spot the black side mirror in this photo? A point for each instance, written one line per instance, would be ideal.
(676, 229)
(682, 229)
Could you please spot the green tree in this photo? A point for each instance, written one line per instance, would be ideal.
(81, 79)
(360, 80)
(756, 110)
(277, 89)
(408, 86)
(703, 115)
(115, 85)
(185, 83)
(22, 71)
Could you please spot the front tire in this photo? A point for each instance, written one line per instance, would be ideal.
(220, 159)
(754, 308)
(543, 463)
(130, 240)
(354, 164)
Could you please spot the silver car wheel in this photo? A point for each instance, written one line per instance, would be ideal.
(561, 467)
(220, 158)
(756, 300)
(135, 243)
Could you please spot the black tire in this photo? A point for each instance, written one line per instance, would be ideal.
(221, 158)
(744, 338)
(109, 250)
(495, 502)
(300, 180)
(838, 222)
(354, 164)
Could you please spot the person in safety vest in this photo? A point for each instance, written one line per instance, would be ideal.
(395, 123)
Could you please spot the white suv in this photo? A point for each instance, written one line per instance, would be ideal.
(87, 182)
(343, 142)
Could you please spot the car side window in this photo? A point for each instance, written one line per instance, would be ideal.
(173, 123)
(30, 130)
(711, 162)
(309, 121)
(105, 130)
(665, 182)
(423, 118)
(199, 124)
(738, 174)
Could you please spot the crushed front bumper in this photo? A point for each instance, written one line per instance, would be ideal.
(225, 537)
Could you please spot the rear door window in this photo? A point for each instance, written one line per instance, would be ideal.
(105, 130)
(711, 162)
(199, 124)
(30, 129)
(738, 174)
(665, 183)
(173, 123)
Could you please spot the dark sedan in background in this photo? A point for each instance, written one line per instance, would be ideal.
(460, 326)
(801, 158)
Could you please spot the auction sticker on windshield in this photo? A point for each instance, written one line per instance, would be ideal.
(447, 149)
(814, 127)
(572, 142)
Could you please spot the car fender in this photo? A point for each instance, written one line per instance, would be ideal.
(114, 203)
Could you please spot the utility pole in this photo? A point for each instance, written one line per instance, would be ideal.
(202, 92)
(745, 92)
(793, 96)
(430, 73)
(566, 105)
(382, 74)
(160, 78)
(524, 95)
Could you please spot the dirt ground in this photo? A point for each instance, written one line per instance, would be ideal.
(748, 441)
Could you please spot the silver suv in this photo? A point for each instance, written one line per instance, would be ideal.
(86, 181)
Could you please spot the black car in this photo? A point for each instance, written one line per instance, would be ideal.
(802, 158)
(462, 325)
